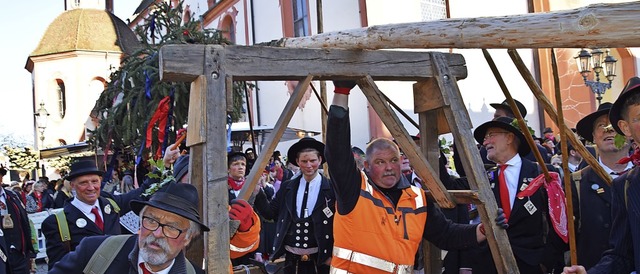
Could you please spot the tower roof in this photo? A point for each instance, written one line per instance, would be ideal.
(87, 29)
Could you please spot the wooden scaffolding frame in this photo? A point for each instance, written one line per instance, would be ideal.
(213, 68)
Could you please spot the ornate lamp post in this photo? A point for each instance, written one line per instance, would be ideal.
(595, 59)
(42, 115)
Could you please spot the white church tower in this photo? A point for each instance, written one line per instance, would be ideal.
(71, 66)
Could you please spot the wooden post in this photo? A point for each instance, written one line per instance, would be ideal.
(565, 161)
(594, 26)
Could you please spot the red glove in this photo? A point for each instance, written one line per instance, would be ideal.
(343, 87)
(241, 210)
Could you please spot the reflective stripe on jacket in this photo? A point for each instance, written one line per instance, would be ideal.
(376, 238)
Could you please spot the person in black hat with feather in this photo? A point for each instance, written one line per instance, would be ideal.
(623, 255)
(169, 221)
(591, 194)
(303, 210)
(90, 213)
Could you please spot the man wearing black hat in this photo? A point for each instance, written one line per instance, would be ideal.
(16, 249)
(506, 146)
(168, 223)
(90, 213)
(303, 210)
(624, 240)
(592, 195)
(504, 109)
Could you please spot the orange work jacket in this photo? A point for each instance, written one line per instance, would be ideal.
(375, 237)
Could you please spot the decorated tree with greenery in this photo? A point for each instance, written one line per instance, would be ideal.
(135, 98)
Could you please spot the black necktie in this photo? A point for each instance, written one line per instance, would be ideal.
(303, 212)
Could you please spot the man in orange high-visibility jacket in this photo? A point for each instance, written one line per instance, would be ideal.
(380, 217)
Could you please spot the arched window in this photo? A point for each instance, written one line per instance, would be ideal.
(61, 98)
(228, 29)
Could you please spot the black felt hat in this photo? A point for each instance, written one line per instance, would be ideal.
(179, 199)
(306, 142)
(181, 167)
(83, 168)
(615, 115)
(585, 125)
(506, 124)
(505, 105)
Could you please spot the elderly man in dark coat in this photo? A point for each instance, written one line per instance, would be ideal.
(168, 223)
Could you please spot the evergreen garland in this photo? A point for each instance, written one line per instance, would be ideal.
(132, 96)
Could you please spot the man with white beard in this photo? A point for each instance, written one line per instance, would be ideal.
(168, 223)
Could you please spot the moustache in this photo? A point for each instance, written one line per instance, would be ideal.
(161, 242)
(389, 174)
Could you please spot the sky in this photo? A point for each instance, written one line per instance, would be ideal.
(23, 25)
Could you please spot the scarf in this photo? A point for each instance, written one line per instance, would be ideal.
(235, 185)
(557, 203)
(38, 196)
(634, 158)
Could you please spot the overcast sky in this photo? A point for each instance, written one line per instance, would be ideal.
(23, 24)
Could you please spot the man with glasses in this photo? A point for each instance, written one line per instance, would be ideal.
(591, 194)
(506, 146)
(169, 221)
(90, 213)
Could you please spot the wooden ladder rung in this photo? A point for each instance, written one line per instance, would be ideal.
(463, 196)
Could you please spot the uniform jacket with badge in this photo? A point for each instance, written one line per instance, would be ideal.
(80, 226)
(125, 261)
(592, 209)
(19, 235)
(284, 205)
(624, 240)
(526, 226)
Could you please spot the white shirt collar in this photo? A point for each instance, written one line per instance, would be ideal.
(82, 206)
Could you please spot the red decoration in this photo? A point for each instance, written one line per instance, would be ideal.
(557, 206)
(185, 33)
(160, 117)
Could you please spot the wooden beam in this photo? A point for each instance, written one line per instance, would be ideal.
(274, 138)
(460, 125)
(431, 149)
(400, 134)
(197, 119)
(594, 26)
(271, 63)
(597, 25)
(215, 189)
(463, 196)
(180, 65)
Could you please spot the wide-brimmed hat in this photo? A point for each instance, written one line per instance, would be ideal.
(306, 142)
(585, 125)
(615, 115)
(85, 167)
(505, 105)
(547, 130)
(506, 124)
(179, 199)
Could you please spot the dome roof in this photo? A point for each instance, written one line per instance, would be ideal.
(87, 29)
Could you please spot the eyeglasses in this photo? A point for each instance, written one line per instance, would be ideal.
(153, 225)
(493, 134)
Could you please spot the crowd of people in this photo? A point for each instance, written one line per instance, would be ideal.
(370, 216)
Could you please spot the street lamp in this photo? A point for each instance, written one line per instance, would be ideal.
(586, 60)
(42, 115)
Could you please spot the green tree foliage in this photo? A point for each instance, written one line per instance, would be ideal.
(132, 96)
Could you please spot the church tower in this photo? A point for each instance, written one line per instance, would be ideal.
(72, 64)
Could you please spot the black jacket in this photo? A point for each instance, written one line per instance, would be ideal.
(282, 211)
(125, 261)
(56, 248)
